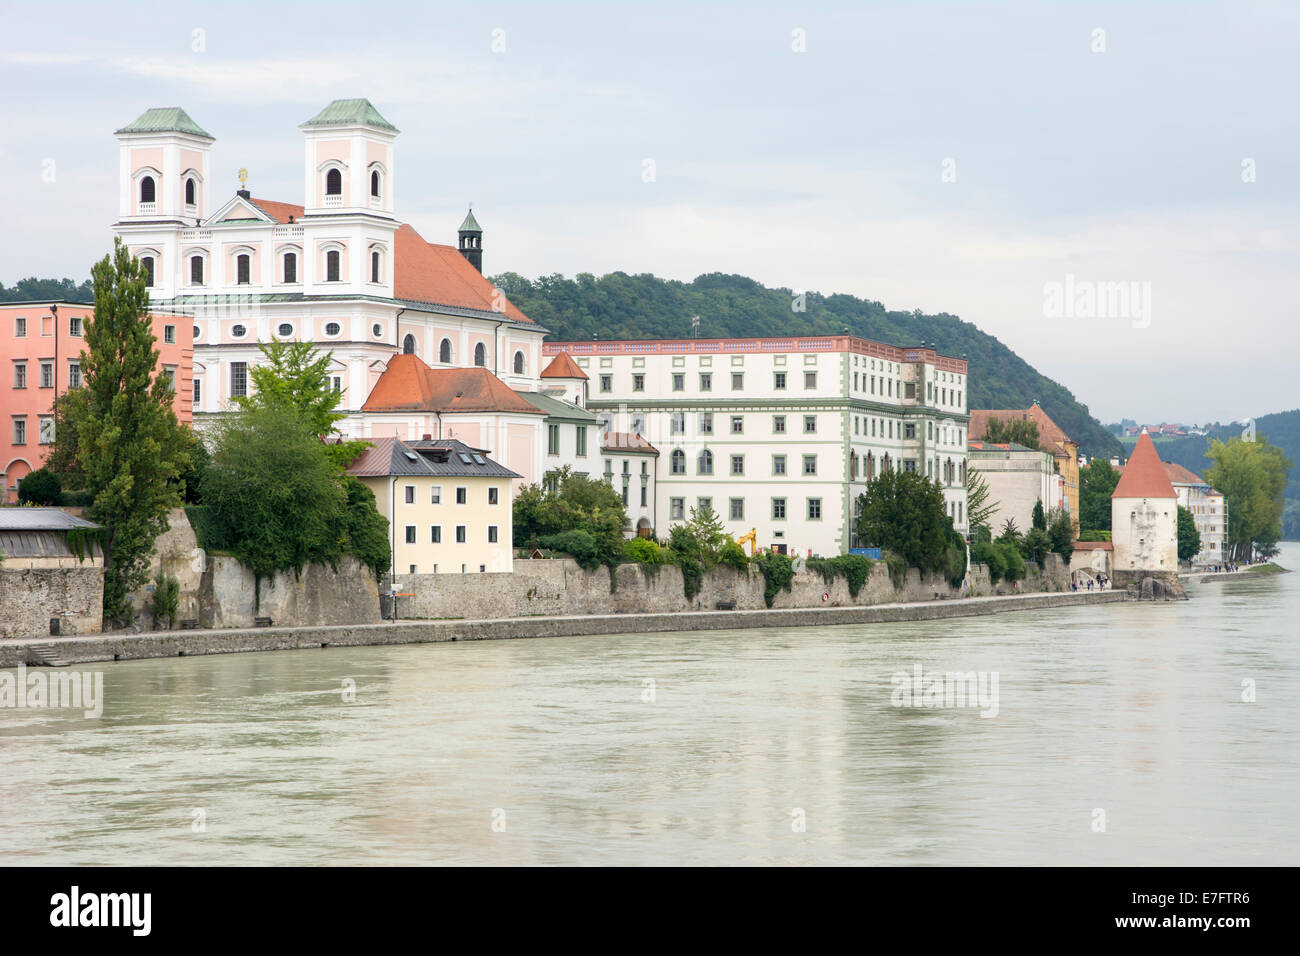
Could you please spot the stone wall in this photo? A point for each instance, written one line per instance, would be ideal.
(178, 555)
(29, 598)
(229, 596)
(557, 587)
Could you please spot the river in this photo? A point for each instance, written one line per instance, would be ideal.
(1121, 737)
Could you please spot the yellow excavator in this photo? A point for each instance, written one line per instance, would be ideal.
(752, 539)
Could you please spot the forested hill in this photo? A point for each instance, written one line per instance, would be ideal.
(47, 290)
(622, 306)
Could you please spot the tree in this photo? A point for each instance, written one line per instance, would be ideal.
(979, 510)
(41, 487)
(1020, 431)
(1189, 539)
(904, 512)
(1037, 519)
(1252, 476)
(568, 502)
(130, 449)
(1060, 530)
(1097, 483)
(708, 531)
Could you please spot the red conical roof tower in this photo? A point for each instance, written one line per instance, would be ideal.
(1144, 475)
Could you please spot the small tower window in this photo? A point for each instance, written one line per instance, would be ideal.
(444, 352)
(334, 183)
(519, 363)
(290, 267)
(374, 267)
(147, 189)
(189, 192)
(408, 345)
(480, 355)
(332, 266)
(242, 269)
(196, 270)
(146, 264)
(374, 183)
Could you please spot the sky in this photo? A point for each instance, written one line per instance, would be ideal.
(1111, 189)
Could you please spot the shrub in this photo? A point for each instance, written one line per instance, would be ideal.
(854, 568)
(41, 487)
(366, 528)
(1035, 545)
(897, 566)
(210, 531)
(645, 551)
(1013, 564)
(733, 556)
(778, 572)
(582, 546)
(166, 600)
(1060, 529)
(692, 574)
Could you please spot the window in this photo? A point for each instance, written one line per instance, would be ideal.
(677, 423)
(333, 328)
(20, 327)
(909, 431)
(737, 509)
(146, 266)
(809, 424)
(706, 381)
(238, 331)
(410, 494)
(169, 373)
(678, 462)
(814, 509)
(374, 267)
(198, 391)
(189, 192)
(480, 355)
(706, 423)
(778, 381)
(332, 259)
(494, 496)
(519, 363)
(778, 464)
(737, 464)
(582, 441)
(679, 381)
(638, 382)
(460, 534)
(705, 463)
(47, 375)
(238, 379)
(20, 374)
(809, 379)
(444, 351)
(377, 330)
(169, 335)
(607, 383)
(148, 191)
(778, 424)
(410, 534)
(374, 183)
(737, 381)
(676, 509)
(643, 494)
(435, 534)
(242, 265)
(737, 424)
(20, 431)
(462, 495)
(702, 504)
(492, 536)
(45, 430)
(74, 374)
(333, 183)
(552, 439)
(638, 423)
(810, 464)
(196, 270)
(778, 509)
(290, 267)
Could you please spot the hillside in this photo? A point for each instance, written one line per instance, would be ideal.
(619, 305)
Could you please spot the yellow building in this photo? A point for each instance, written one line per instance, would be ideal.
(448, 505)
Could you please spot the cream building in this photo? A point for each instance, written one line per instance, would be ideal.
(448, 505)
(781, 434)
(1144, 518)
(1017, 479)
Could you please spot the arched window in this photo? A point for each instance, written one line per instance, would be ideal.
(147, 189)
(146, 264)
(706, 462)
(332, 266)
(189, 192)
(334, 183)
(242, 269)
(853, 466)
(374, 267)
(519, 363)
(196, 270)
(291, 267)
(871, 466)
(374, 183)
(408, 345)
(480, 355)
(678, 462)
(444, 352)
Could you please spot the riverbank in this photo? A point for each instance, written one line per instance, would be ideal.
(1204, 577)
(152, 644)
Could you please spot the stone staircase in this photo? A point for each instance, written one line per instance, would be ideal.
(46, 654)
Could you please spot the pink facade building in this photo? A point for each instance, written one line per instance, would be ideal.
(40, 357)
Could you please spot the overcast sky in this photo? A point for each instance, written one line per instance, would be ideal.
(944, 157)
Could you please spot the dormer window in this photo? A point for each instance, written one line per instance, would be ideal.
(147, 189)
(333, 183)
(242, 269)
(332, 265)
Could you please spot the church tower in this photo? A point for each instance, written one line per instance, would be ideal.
(165, 168)
(471, 240)
(349, 160)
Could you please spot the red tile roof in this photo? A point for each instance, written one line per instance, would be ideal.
(407, 384)
(627, 441)
(563, 367)
(1050, 435)
(1177, 474)
(1093, 546)
(1144, 474)
(427, 272)
(279, 211)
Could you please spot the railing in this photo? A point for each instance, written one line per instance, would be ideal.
(147, 209)
(187, 234)
(285, 232)
(333, 201)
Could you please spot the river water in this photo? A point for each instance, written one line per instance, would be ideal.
(1121, 737)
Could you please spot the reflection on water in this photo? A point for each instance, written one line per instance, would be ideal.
(1133, 709)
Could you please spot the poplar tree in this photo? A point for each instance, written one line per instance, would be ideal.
(131, 449)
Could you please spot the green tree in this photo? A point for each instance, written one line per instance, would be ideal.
(1189, 539)
(708, 531)
(1097, 483)
(1037, 519)
(130, 448)
(1020, 431)
(41, 487)
(979, 510)
(1252, 476)
(567, 502)
(904, 512)
(1060, 530)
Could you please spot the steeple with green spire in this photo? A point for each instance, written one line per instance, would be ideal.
(471, 240)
